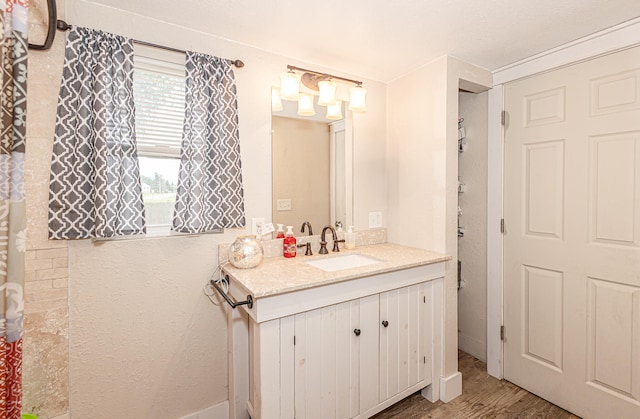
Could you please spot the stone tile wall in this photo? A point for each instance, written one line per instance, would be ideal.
(45, 366)
(46, 280)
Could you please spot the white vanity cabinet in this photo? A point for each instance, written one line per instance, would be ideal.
(347, 362)
(347, 349)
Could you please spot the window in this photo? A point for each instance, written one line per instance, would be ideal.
(158, 88)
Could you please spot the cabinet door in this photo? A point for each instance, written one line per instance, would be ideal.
(336, 360)
(369, 344)
(315, 358)
(404, 334)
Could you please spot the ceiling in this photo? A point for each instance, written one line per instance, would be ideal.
(384, 39)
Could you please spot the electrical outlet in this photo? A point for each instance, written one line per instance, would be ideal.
(375, 219)
(255, 222)
(283, 204)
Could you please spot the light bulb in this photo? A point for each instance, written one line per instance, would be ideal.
(289, 86)
(335, 111)
(327, 90)
(305, 105)
(357, 100)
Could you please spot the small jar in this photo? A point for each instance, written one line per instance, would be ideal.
(246, 252)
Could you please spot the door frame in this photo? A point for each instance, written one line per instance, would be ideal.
(616, 38)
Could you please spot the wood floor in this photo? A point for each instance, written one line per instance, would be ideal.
(483, 396)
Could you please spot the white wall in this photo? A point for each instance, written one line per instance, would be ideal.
(369, 158)
(145, 341)
(472, 248)
(416, 157)
(423, 169)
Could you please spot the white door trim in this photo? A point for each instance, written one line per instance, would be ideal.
(495, 166)
(622, 36)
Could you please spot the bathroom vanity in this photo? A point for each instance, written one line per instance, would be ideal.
(342, 335)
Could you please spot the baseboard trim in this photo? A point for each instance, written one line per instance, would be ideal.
(472, 346)
(219, 411)
(450, 387)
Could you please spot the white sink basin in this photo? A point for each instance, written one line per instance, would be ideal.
(339, 263)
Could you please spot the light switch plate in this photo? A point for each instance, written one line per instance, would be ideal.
(375, 219)
(283, 204)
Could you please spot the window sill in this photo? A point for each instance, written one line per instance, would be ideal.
(156, 232)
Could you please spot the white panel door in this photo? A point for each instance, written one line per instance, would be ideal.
(572, 242)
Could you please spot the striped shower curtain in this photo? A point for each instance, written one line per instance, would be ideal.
(13, 53)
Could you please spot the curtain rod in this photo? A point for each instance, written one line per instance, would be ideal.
(61, 25)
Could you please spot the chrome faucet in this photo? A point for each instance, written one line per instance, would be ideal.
(308, 224)
(323, 241)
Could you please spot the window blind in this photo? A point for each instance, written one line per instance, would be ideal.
(159, 91)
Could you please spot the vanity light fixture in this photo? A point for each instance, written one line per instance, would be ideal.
(322, 83)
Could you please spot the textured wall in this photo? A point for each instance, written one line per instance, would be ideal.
(472, 248)
(146, 342)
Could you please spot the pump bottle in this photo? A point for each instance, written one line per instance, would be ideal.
(350, 239)
(289, 244)
(280, 232)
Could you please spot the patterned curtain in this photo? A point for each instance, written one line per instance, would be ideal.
(95, 189)
(13, 53)
(210, 194)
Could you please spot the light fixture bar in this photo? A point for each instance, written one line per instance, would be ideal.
(294, 68)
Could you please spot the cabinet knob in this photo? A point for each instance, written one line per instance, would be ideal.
(385, 323)
(356, 332)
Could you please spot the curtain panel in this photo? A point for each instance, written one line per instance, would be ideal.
(210, 193)
(13, 53)
(94, 189)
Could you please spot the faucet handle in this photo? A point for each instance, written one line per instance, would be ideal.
(308, 251)
(336, 248)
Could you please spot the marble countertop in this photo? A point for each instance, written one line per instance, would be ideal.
(279, 275)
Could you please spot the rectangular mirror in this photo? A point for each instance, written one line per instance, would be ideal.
(312, 166)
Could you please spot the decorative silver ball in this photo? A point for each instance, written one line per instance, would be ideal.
(246, 252)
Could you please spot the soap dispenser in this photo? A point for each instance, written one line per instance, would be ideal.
(289, 244)
(280, 232)
(350, 239)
